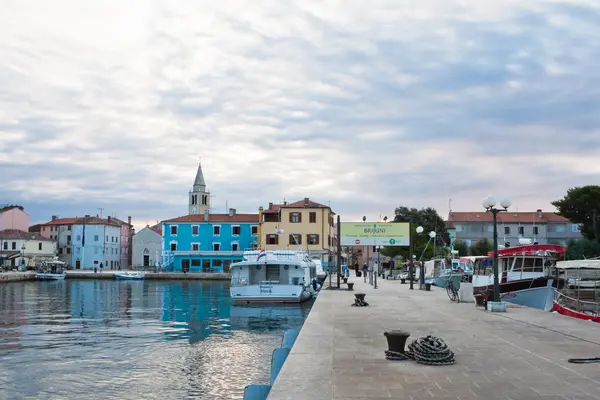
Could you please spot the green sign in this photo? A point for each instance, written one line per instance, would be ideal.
(375, 234)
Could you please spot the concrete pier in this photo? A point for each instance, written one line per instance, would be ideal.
(190, 276)
(518, 355)
(16, 276)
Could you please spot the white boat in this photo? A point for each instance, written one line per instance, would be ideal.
(321, 274)
(129, 275)
(51, 271)
(279, 276)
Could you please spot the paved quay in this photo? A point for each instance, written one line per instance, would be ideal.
(518, 355)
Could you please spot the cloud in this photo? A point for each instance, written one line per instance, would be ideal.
(367, 105)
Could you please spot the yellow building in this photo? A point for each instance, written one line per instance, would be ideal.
(304, 224)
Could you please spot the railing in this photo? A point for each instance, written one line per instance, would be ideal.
(582, 306)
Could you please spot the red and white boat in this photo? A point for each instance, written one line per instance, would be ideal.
(580, 298)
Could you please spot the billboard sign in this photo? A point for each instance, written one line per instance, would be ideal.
(375, 234)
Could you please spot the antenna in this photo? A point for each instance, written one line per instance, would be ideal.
(100, 209)
(449, 206)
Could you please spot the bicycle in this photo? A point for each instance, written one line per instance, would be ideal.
(452, 291)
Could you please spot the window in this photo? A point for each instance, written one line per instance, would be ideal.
(68, 239)
(14, 245)
(5, 245)
(254, 230)
(490, 228)
(536, 230)
(217, 230)
(216, 246)
(196, 263)
(217, 263)
(235, 230)
(195, 230)
(195, 246)
(574, 228)
(312, 217)
(507, 230)
(68, 250)
(69, 227)
(296, 217)
(173, 229)
(96, 238)
(235, 246)
(60, 251)
(313, 239)
(521, 230)
(272, 239)
(295, 238)
(173, 246)
(40, 246)
(106, 238)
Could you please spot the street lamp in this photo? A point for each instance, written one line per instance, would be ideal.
(23, 248)
(489, 204)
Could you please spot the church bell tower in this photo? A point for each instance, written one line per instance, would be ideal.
(199, 198)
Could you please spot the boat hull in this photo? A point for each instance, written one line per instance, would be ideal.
(535, 293)
(572, 313)
(129, 277)
(282, 294)
(50, 277)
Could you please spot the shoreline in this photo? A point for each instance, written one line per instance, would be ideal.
(6, 277)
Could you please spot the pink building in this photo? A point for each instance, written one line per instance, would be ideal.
(14, 217)
(126, 235)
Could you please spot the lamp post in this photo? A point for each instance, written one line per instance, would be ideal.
(23, 248)
(411, 264)
(489, 204)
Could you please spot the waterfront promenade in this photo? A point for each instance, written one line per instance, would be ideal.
(78, 274)
(518, 355)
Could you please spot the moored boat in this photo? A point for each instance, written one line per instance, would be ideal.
(580, 298)
(51, 271)
(133, 275)
(273, 277)
(527, 275)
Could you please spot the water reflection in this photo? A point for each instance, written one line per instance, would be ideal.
(134, 340)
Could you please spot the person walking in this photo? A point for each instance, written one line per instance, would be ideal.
(356, 269)
(365, 269)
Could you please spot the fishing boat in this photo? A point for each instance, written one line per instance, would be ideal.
(132, 275)
(580, 298)
(273, 277)
(51, 270)
(527, 275)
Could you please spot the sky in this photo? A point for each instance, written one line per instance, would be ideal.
(364, 105)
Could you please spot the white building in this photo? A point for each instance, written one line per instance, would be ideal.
(147, 245)
(20, 248)
(95, 241)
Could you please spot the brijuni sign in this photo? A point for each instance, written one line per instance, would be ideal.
(375, 234)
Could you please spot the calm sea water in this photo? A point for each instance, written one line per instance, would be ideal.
(81, 339)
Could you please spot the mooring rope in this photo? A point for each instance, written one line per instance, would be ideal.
(428, 350)
(584, 360)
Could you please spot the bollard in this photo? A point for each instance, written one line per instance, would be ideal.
(427, 287)
(351, 286)
(396, 340)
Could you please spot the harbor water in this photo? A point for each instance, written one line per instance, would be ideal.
(105, 339)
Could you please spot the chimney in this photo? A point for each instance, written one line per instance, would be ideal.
(87, 215)
(539, 213)
(129, 220)
(108, 219)
(306, 200)
(231, 212)
(206, 215)
(285, 203)
(270, 205)
(54, 217)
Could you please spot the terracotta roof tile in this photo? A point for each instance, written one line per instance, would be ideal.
(17, 234)
(306, 203)
(62, 221)
(506, 217)
(248, 218)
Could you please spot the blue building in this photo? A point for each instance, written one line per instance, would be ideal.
(207, 242)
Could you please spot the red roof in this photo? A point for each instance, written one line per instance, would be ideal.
(507, 217)
(306, 203)
(530, 250)
(83, 220)
(216, 218)
(17, 234)
(157, 228)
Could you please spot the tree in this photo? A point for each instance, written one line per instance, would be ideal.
(461, 246)
(481, 248)
(581, 249)
(430, 220)
(581, 205)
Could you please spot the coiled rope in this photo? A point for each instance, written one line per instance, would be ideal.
(428, 350)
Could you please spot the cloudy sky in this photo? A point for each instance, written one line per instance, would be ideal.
(366, 104)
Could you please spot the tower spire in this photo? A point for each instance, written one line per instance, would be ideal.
(199, 197)
(199, 183)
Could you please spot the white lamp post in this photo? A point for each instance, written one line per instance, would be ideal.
(489, 204)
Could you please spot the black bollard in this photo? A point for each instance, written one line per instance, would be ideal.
(396, 341)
